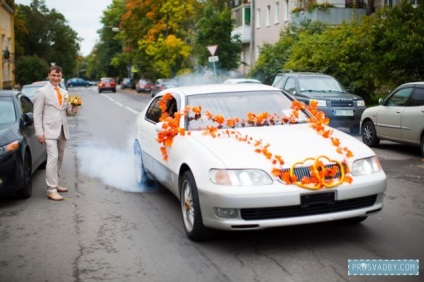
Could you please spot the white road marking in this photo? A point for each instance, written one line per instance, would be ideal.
(121, 105)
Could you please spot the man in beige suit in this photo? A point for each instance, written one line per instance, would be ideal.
(51, 109)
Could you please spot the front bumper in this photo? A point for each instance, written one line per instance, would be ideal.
(280, 204)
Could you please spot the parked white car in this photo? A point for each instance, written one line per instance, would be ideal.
(241, 158)
(398, 118)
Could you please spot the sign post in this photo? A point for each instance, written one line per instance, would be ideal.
(213, 58)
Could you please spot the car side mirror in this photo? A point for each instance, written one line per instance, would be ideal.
(381, 101)
(158, 127)
(28, 119)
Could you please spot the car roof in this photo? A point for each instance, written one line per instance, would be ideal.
(8, 93)
(413, 83)
(220, 88)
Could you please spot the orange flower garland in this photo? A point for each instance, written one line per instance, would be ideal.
(321, 177)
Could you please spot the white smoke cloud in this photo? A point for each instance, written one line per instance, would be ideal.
(113, 166)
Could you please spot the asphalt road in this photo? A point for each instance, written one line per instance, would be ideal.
(108, 229)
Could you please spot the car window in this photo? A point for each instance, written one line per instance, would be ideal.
(27, 106)
(154, 112)
(417, 98)
(7, 111)
(290, 85)
(319, 83)
(400, 97)
(240, 105)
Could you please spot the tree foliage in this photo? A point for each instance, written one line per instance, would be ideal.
(214, 28)
(30, 68)
(45, 33)
(383, 50)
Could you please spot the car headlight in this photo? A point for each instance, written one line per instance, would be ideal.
(239, 177)
(366, 166)
(321, 103)
(360, 103)
(9, 147)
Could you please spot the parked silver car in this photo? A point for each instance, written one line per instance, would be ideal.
(398, 118)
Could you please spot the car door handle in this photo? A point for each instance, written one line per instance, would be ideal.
(398, 112)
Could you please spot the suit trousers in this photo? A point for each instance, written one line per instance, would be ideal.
(55, 150)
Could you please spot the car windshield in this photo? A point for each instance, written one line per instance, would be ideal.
(7, 111)
(239, 105)
(320, 84)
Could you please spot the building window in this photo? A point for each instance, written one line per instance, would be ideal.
(268, 15)
(277, 13)
(258, 18)
(286, 9)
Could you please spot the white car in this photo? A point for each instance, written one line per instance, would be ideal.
(249, 170)
(398, 118)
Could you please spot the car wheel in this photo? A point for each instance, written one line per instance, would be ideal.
(369, 134)
(114, 90)
(422, 146)
(354, 129)
(26, 190)
(100, 91)
(190, 209)
(140, 172)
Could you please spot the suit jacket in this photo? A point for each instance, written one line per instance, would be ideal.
(49, 116)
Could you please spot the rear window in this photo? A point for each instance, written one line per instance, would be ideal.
(107, 79)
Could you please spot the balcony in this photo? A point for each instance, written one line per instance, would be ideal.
(334, 16)
(244, 32)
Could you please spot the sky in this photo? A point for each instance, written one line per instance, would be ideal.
(83, 17)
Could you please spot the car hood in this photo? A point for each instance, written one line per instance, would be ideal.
(7, 134)
(328, 96)
(293, 143)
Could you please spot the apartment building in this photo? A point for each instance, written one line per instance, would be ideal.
(259, 22)
(7, 46)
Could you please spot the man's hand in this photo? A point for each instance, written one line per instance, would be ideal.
(41, 139)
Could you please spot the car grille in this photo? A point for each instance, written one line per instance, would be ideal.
(302, 171)
(297, 211)
(341, 103)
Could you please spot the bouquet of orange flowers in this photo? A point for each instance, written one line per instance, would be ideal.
(75, 100)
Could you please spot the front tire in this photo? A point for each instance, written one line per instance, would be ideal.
(422, 146)
(26, 190)
(369, 134)
(190, 209)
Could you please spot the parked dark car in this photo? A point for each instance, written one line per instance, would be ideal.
(107, 84)
(128, 83)
(20, 152)
(143, 85)
(76, 81)
(161, 84)
(342, 108)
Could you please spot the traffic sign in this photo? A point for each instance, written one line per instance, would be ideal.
(213, 59)
(212, 49)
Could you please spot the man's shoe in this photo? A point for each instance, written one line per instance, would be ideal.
(61, 189)
(54, 197)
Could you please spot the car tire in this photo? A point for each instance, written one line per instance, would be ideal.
(100, 91)
(422, 146)
(26, 190)
(140, 171)
(369, 134)
(114, 90)
(190, 209)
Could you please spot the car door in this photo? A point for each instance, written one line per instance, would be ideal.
(388, 119)
(38, 152)
(412, 121)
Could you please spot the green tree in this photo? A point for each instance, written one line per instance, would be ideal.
(29, 69)
(45, 33)
(214, 28)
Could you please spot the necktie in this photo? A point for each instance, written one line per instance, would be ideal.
(59, 97)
